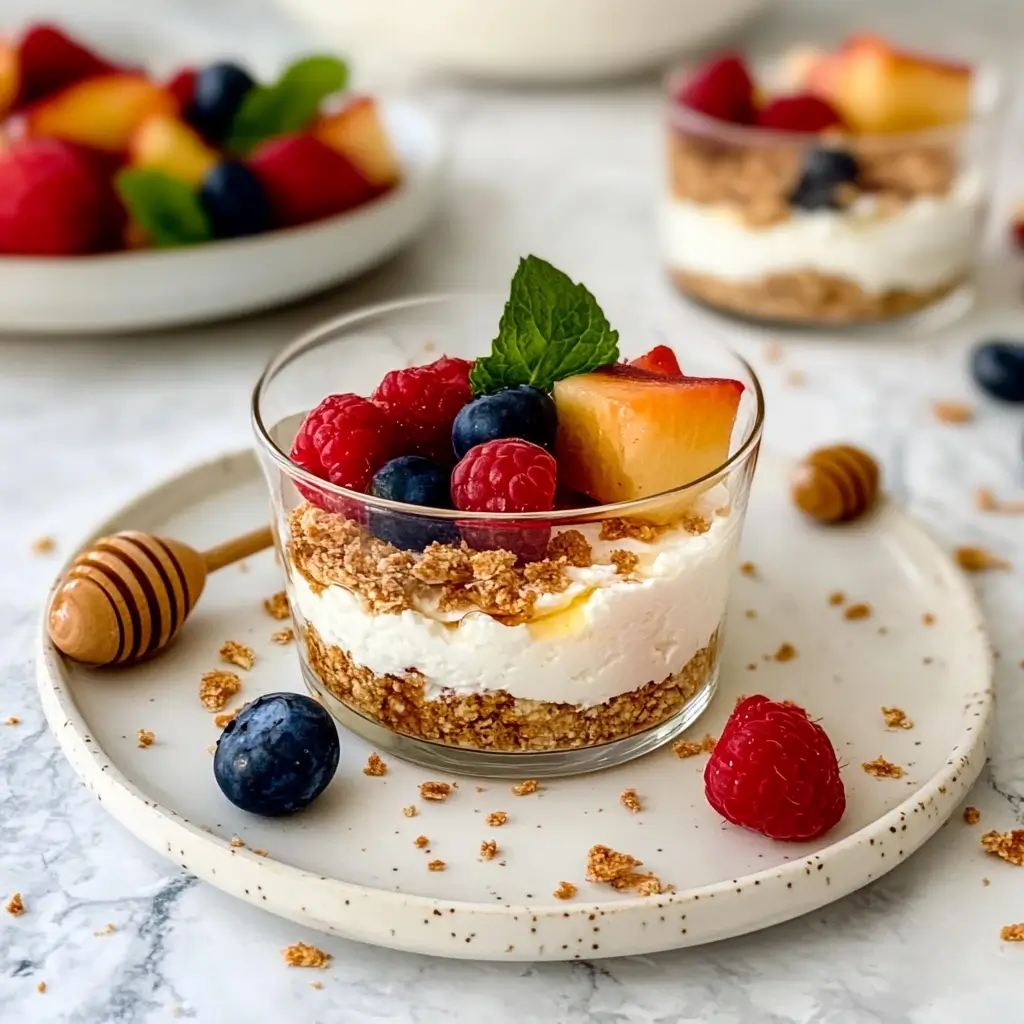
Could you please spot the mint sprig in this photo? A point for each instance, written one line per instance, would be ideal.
(167, 209)
(551, 328)
(289, 105)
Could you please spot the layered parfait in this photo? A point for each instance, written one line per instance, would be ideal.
(837, 187)
(529, 552)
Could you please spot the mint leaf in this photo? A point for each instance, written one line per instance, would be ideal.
(289, 105)
(551, 328)
(168, 210)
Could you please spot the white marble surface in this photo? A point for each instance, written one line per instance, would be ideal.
(570, 175)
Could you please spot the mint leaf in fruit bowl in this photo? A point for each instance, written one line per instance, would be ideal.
(166, 208)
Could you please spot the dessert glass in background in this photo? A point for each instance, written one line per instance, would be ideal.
(459, 659)
(880, 216)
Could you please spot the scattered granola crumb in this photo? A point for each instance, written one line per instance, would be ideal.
(480, 789)
(303, 955)
(146, 738)
(952, 412)
(41, 987)
(630, 799)
(1012, 933)
(488, 849)
(786, 652)
(13, 720)
(1008, 845)
(772, 352)
(749, 569)
(316, 984)
(224, 719)
(573, 547)
(836, 598)
(896, 718)
(795, 379)
(260, 853)
(43, 545)
(276, 606)
(107, 929)
(751, 666)
(986, 501)
(565, 891)
(234, 653)
(526, 787)
(420, 842)
(986, 881)
(979, 560)
(496, 819)
(625, 562)
(236, 842)
(375, 766)
(15, 907)
(928, 619)
(607, 865)
(410, 811)
(857, 611)
(217, 688)
(691, 748)
(641, 529)
(971, 815)
(650, 887)
(750, 613)
(436, 865)
(882, 769)
(283, 636)
(435, 790)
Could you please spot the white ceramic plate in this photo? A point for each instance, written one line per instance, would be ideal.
(172, 287)
(348, 864)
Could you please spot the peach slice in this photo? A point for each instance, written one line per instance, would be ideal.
(625, 432)
(356, 131)
(165, 143)
(10, 75)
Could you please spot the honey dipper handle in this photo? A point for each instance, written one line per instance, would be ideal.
(241, 547)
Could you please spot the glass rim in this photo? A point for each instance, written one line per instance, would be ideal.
(322, 333)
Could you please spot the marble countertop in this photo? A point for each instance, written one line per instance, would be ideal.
(571, 175)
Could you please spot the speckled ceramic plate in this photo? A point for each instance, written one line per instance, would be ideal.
(349, 865)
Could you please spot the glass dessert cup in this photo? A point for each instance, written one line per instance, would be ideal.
(516, 645)
(902, 239)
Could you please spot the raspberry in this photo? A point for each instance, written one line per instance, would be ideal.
(505, 476)
(800, 113)
(345, 440)
(775, 771)
(423, 401)
(722, 89)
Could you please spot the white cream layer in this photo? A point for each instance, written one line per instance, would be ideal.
(928, 243)
(602, 637)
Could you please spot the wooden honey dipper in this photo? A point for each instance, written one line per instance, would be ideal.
(127, 596)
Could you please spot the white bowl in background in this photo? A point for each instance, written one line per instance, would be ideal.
(525, 40)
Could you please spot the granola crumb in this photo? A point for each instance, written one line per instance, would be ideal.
(526, 787)
(436, 865)
(488, 849)
(276, 606)
(772, 352)
(630, 799)
(971, 815)
(896, 718)
(13, 720)
(952, 412)
(222, 721)
(260, 853)
(928, 619)
(1008, 845)
(986, 882)
(749, 569)
(1012, 933)
(43, 545)
(107, 929)
(836, 598)
(607, 865)
(234, 653)
(625, 562)
(979, 560)
(565, 891)
(573, 547)
(41, 987)
(435, 790)
(857, 611)
(303, 955)
(420, 841)
(641, 529)
(496, 819)
(786, 652)
(146, 738)
(318, 985)
(410, 811)
(750, 613)
(986, 501)
(795, 379)
(15, 906)
(650, 887)
(691, 748)
(283, 636)
(375, 766)
(236, 842)
(751, 667)
(882, 769)
(217, 688)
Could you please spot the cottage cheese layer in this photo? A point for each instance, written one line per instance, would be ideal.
(928, 243)
(605, 635)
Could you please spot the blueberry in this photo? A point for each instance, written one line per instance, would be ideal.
(823, 170)
(998, 367)
(521, 412)
(278, 755)
(415, 481)
(219, 91)
(235, 201)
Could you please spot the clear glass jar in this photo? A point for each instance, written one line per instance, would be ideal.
(902, 239)
(516, 645)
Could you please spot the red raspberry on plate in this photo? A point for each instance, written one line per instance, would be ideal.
(800, 113)
(721, 88)
(775, 771)
(423, 401)
(505, 476)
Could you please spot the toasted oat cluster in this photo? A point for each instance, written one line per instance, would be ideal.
(691, 748)
(435, 790)
(223, 720)
(488, 849)
(237, 654)
(573, 547)
(15, 906)
(625, 562)
(526, 787)
(882, 769)
(896, 718)
(283, 636)
(217, 688)
(630, 799)
(565, 891)
(375, 766)
(617, 869)
(786, 652)
(303, 955)
(420, 842)
(146, 738)
(276, 606)
(1012, 933)
(1008, 845)
(496, 819)
(410, 811)
(971, 815)
(436, 865)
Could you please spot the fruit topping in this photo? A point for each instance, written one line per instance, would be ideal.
(423, 401)
(166, 143)
(277, 755)
(721, 88)
(50, 60)
(217, 94)
(661, 359)
(522, 412)
(10, 75)
(625, 432)
(800, 113)
(344, 440)
(235, 201)
(182, 86)
(356, 131)
(824, 170)
(505, 476)
(775, 771)
(998, 367)
(415, 481)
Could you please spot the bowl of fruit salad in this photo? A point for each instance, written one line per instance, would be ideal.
(841, 188)
(516, 560)
(128, 201)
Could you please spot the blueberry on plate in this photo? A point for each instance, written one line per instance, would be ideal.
(415, 481)
(522, 412)
(235, 201)
(823, 170)
(278, 755)
(998, 367)
(219, 91)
